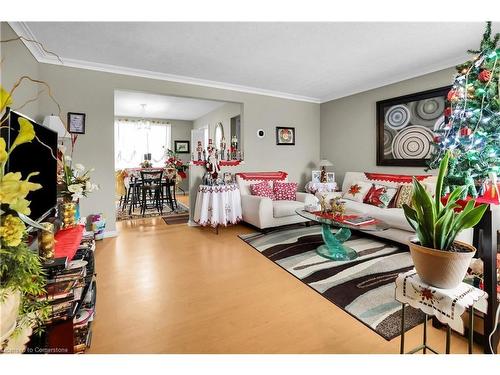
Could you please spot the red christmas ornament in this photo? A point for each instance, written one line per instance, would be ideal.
(447, 111)
(453, 95)
(437, 139)
(465, 131)
(484, 76)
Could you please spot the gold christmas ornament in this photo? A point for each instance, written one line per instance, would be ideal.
(46, 242)
(68, 215)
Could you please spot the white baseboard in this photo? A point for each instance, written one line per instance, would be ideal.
(191, 223)
(110, 233)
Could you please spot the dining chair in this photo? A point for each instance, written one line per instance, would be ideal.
(151, 185)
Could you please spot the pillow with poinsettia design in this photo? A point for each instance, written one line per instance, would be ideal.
(357, 191)
(380, 195)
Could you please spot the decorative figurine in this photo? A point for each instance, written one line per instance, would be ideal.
(222, 148)
(210, 146)
(323, 205)
(234, 146)
(199, 150)
(337, 207)
(213, 166)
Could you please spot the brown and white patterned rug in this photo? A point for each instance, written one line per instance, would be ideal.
(363, 287)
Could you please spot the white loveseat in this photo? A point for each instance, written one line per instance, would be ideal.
(400, 230)
(264, 213)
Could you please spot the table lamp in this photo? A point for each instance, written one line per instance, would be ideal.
(324, 163)
(54, 123)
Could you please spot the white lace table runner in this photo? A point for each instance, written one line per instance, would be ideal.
(447, 305)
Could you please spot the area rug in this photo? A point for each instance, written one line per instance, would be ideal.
(176, 219)
(152, 212)
(363, 287)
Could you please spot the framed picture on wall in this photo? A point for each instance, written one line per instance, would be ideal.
(76, 123)
(285, 136)
(316, 176)
(406, 126)
(181, 147)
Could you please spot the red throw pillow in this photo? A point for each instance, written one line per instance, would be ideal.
(285, 191)
(262, 189)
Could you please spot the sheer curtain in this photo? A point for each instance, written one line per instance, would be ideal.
(134, 138)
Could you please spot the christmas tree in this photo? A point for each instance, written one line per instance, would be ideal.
(472, 129)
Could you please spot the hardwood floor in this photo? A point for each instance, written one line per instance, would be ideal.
(179, 289)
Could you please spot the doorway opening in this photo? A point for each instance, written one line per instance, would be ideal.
(156, 138)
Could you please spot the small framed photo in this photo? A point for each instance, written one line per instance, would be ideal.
(285, 136)
(76, 123)
(316, 176)
(330, 177)
(181, 147)
(228, 178)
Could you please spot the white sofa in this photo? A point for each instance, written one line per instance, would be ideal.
(400, 230)
(264, 213)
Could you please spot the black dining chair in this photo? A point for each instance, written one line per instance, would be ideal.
(151, 187)
(132, 196)
(169, 186)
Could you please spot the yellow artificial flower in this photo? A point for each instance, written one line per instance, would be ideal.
(13, 190)
(5, 99)
(12, 230)
(3, 151)
(26, 132)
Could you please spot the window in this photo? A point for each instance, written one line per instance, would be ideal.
(134, 138)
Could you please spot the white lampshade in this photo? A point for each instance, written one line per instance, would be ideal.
(54, 123)
(325, 163)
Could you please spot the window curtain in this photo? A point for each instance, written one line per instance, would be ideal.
(134, 138)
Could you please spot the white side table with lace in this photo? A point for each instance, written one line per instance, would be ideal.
(447, 305)
(218, 205)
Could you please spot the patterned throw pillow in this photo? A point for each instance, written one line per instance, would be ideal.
(262, 189)
(357, 191)
(380, 195)
(285, 191)
(403, 196)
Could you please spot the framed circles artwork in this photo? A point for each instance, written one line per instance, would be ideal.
(285, 136)
(406, 126)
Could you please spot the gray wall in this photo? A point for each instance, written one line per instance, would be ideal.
(18, 62)
(92, 92)
(222, 114)
(348, 125)
(181, 131)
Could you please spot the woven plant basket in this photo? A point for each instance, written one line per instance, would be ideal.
(442, 269)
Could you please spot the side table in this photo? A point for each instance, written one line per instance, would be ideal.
(320, 187)
(217, 205)
(447, 305)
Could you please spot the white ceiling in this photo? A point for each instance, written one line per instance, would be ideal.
(129, 104)
(305, 61)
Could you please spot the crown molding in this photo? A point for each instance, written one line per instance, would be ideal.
(22, 29)
(368, 86)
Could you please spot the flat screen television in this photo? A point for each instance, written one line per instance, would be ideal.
(34, 157)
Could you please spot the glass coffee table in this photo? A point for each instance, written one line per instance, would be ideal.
(334, 243)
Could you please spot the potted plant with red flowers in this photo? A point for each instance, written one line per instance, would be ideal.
(175, 167)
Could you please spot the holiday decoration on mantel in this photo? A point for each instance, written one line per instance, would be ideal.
(472, 131)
